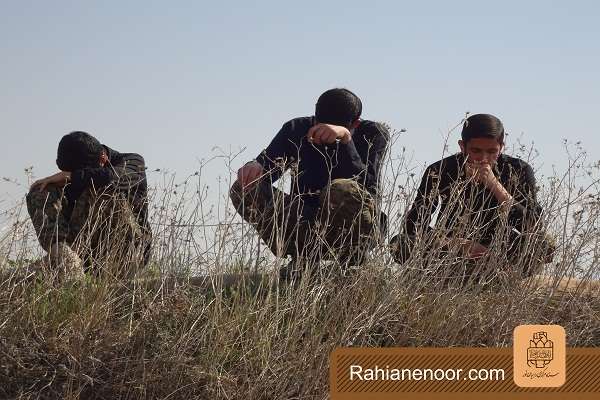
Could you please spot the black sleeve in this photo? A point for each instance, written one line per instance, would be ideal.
(425, 203)
(277, 157)
(130, 174)
(368, 171)
(525, 211)
(122, 176)
(82, 179)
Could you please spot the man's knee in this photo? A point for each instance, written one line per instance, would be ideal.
(348, 192)
(32, 201)
(44, 201)
(36, 199)
(236, 194)
(345, 186)
(247, 202)
(45, 210)
(346, 200)
(258, 197)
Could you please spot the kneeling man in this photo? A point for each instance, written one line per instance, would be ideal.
(330, 212)
(486, 203)
(92, 213)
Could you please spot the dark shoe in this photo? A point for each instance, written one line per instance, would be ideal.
(291, 272)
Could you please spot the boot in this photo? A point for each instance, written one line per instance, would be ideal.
(65, 264)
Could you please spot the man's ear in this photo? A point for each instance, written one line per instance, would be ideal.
(355, 124)
(463, 147)
(103, 158)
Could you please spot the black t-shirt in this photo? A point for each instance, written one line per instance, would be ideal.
(466, 205)
(317, 165)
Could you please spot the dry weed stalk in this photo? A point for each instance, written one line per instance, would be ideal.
(169, 334)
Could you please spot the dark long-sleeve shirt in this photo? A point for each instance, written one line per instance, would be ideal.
(124, 173)
(319, 164)
(466, 205)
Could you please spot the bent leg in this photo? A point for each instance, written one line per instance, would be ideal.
(401, 247)
(45, 209)
(107, 232)
(348, 220)
(530, 251)
(277, 217)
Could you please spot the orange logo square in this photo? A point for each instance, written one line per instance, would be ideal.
(539, 356)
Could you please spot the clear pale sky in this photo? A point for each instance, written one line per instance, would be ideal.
(173, 80)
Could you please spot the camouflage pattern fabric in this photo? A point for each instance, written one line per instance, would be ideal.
(102, 228)
(45, 209)
(341, 228)
(276, 216)
(347, 220)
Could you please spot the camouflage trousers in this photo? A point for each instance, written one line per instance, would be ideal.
(342, 227)
(101, 228)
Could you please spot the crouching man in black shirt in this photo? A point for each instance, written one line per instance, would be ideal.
(330, 213)
(487, 205)
(93, 214)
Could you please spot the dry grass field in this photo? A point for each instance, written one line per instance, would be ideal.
(209, 318)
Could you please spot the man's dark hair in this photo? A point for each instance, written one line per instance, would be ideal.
(482, 126)
(78, 150)
(338, 107)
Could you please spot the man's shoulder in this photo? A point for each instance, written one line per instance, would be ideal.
(134, 157)
(373, 130)
(295, 129)
(516, 163)
(449, 163)
(130, 159)
(299, 124)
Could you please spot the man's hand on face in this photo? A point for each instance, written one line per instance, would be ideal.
(59, 179)
(249, 173)
(328, 134)
(481, 172)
